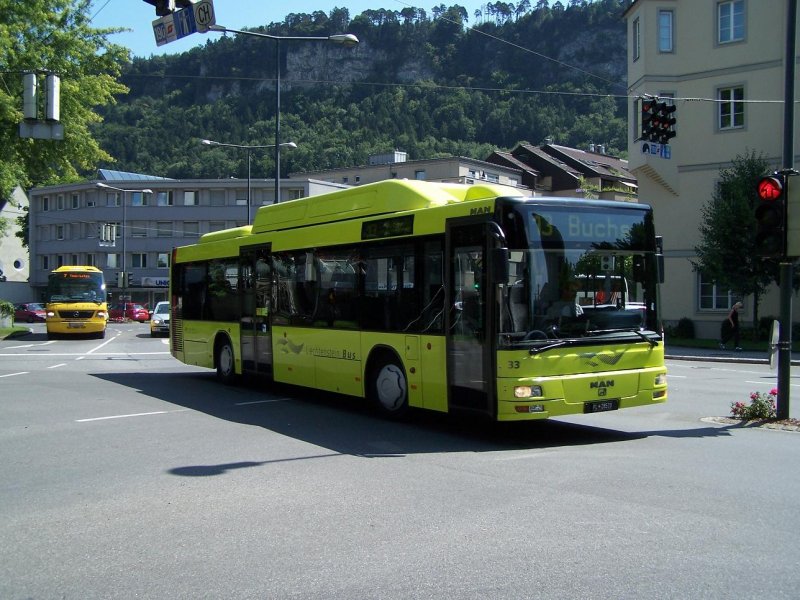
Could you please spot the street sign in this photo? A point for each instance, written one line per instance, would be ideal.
(204, 15)
(174, 26)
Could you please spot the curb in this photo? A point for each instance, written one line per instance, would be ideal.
(724, 359)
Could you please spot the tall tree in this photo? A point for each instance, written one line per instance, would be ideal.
(726, 252)
(54, 36)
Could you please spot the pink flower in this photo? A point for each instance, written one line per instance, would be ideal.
(773, 392)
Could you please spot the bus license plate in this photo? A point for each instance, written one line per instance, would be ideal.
(75, 326)
(600, 406)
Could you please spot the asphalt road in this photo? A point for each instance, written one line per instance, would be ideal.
(126, 474)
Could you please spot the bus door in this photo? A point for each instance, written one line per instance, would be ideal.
(255, 268)
(469, 361)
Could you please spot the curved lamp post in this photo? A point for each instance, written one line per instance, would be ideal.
(124, 285)
(249, 149)
(348, 40)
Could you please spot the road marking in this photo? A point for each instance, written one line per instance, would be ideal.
(147, 414)
(32, 345)
(262, 401)
(677, 376)
(14, 374)
(84, 354)
(58, 365)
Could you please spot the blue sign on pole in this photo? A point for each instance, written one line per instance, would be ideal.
(199, 16)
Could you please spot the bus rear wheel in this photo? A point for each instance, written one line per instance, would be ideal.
(389, 388)
(224, 360)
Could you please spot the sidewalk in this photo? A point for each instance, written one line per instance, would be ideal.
(717, 355)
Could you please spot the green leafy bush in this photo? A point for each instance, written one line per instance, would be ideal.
(6, 308)
(762, 406)
(684, 329)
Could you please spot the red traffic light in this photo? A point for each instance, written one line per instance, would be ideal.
(770, 188)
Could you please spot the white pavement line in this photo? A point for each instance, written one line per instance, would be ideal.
(262, 401)
(32, 345)
(58, 365)
(15, 374)
(669, 376)
(147, 414)
(101, 345)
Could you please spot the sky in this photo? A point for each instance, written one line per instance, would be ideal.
(138, 17)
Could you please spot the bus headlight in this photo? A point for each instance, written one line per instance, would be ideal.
(661, 379)
(527, 391)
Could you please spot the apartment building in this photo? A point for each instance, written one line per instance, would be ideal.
(722, 64)
(149, 216)
(395, 165)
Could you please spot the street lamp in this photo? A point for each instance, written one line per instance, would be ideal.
(348, 40)
(249, 150)
(124, 285)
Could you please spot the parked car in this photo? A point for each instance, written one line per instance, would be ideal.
(159, 321)
(129, 311)
(29, 312)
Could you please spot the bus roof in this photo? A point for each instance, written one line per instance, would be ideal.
(76, 269)
(382, 197)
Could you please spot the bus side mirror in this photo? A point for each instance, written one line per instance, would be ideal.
(500, 258)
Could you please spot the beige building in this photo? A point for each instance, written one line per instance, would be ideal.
(722, 64)
(395, 165)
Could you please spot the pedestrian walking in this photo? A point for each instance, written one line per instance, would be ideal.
(730, 328)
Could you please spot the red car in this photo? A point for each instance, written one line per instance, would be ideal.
(29, 312)
(128, 311)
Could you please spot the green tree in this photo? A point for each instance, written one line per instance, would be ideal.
(726, 252)
(54, 36)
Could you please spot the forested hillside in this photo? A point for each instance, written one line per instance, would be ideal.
(430, 83)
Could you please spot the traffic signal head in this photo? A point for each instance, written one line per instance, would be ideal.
(666, 122)
(163, 7)
(647, 115)
(771, 217)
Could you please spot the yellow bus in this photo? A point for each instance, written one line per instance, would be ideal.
(76, 302)
(438, 296)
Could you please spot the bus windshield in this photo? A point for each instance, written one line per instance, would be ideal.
(579, 276)
(74, 286)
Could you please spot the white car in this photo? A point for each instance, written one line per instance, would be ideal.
(159, 322)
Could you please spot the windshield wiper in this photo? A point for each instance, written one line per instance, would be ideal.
(639, 332)
(537, 349)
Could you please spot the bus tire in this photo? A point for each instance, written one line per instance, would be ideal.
(389, 387)
(224, 361)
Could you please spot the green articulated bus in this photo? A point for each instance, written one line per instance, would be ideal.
(439, 296)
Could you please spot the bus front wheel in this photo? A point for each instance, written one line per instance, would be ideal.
(225, 362)
(389, 388)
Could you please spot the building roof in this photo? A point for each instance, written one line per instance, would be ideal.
(111, 175)
(592, 163)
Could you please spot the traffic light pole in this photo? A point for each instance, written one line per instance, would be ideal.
(785, 340)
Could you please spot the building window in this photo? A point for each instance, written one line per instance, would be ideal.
(190, 198)
(297, 193)
(76, 260)
(138, 229)
(112, 261)
(138, 199)
(217, 197)
(419, 175)
(76, 201)
(163, 198)
(45, 262)
(45, 203)
(665, 31)
(139, 260)
(636, 40)
(493, 177)
(730, 21)
(91, 260)
(712, 296)
(112, 199)
(731, 107)
(216, 225)
(163, 229)
(59, 232)
(60, 201)
(60, 260)
(191, 229)
(162, 261)
(345, 179)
